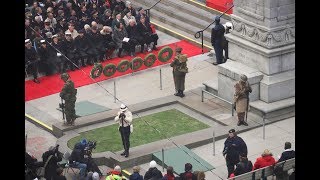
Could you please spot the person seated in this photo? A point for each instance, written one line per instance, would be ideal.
(115, 174)
(31, 165)
(147, 33)
(169, 175)
(51, 157)
(77, 159)
(288, 152)
(119, 35)
(153, 171)
(243, 166)
(188, 173)
(59, 175)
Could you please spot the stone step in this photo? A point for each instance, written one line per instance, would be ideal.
(185, 8)
(211, 86)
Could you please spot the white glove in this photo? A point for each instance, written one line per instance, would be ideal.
(58, 54)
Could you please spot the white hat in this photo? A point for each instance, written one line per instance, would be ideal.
(123, 108)
(95, 176)
(117, 168)
(42, 41)
(56, 35)
(152, 164)
(47, 20)
(66, 33)
(27, 41)
(228, 24)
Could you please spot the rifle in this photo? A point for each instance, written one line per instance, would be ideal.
(61, 105)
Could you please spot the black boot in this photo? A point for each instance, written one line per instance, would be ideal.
(244, 123)
(181, 94)
(127, 154)
(119, 53)
(123, 153)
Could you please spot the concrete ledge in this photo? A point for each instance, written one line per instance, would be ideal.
(273, 111)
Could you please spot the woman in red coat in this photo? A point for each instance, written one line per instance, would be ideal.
(265, 160)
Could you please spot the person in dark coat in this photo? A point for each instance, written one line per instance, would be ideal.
(31, 60)
(59, 175)
(187, 174)
(169, 175)
(217, 34)
(96, 40)
(130, 9)
(288, 152)
(82, 45)
(243, 166)
(108, 41)
(47, 61)
(118, 3)
(135, 175)
(52, 166)
(57, 45)
(233, 147)
(142, 13)
(119, 34)
(153, 171)
(134, 35)
(31, 166)
(106, 18)
(145, 31)
(70, 50)
(117, 20)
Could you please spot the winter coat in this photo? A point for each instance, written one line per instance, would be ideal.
(264, 161)
(135, 176)
(233, 147)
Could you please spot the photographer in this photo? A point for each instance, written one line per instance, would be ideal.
(124, 117)
(55, 156)
(31, 165)
(81, 157)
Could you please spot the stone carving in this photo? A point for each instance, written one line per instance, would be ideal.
(268, 39)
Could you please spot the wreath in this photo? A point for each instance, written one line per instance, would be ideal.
(109, 70)
(136, 63)
(96, 70)
(123, 65)
(149, 60)
(164, 50)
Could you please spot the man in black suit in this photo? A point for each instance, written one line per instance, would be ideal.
(288, 152)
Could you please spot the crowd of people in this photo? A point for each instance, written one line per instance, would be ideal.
(60, 34)
(235, 152)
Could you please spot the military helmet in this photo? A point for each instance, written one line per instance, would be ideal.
(64, 76)
(243, 78)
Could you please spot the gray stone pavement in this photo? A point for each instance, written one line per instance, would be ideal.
(145, 85)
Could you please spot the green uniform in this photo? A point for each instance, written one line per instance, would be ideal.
(180, 69)
(115, 177)
(68, 93)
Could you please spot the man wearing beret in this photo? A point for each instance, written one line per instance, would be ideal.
(233, 147)
(68, 94)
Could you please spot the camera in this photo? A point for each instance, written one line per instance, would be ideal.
(90, 146)
(122, 115)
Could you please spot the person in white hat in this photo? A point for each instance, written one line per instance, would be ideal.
(124, 118)
(153, 171)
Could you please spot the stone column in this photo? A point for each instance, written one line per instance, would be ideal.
(262, 39)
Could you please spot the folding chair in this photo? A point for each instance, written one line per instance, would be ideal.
(64, 163)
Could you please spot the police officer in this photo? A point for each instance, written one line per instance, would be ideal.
(68, 93)
(179, 70)
(124, 118)
(217, 34)
(31, 60)
(233, 147)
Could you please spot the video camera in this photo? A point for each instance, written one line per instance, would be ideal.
(90, 146)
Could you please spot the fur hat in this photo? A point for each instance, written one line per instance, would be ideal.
(117, 168)
(152, 164)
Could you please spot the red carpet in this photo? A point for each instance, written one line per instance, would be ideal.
(53, 84)
(220, 5)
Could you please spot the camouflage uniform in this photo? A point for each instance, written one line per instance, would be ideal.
(241, 98)
(68, 93)
(180, 69)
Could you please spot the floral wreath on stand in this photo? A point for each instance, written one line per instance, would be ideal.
(96, 70)
(136, 63)
(150, 59)
(109, 70)
(164, 50)
(123, 65)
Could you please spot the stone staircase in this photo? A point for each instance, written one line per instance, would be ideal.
(182, 18)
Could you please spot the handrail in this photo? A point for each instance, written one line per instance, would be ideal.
(200, 33)
(148, 10)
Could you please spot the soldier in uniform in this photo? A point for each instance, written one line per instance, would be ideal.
(217, 34)
(241, 98)
(179, 65)
(68, 94)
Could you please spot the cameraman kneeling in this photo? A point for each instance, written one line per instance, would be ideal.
(77, 160)
(55, 156)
